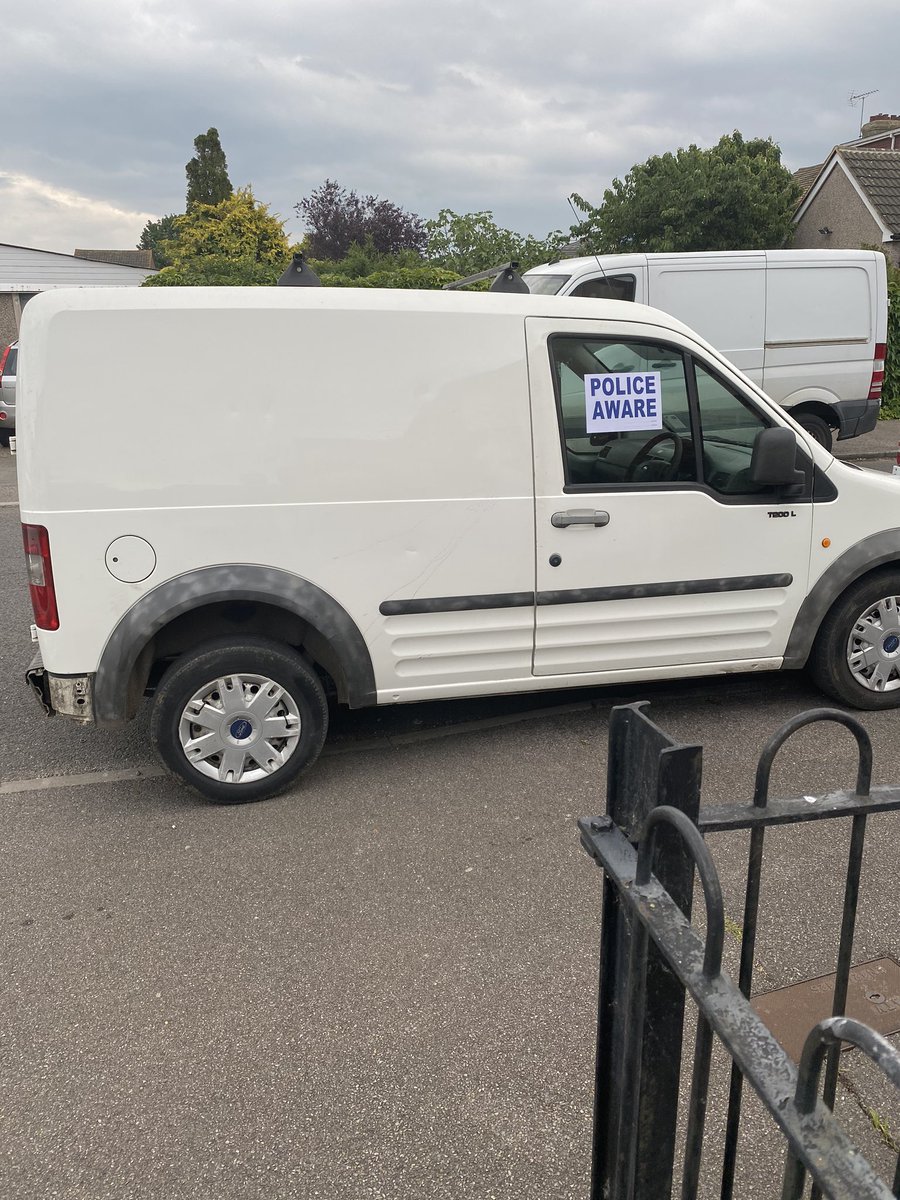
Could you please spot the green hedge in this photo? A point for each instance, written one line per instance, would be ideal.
(424, 276)
(890, 393)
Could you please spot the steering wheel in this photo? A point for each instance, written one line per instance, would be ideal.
(646, 452)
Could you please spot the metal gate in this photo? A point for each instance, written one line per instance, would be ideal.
(649, 844)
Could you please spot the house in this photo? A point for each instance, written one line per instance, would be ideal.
(853, 198)
(25, 271)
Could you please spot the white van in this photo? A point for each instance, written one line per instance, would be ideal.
(413, 496)
(808, 326)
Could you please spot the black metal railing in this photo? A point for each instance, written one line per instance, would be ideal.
(650, 844)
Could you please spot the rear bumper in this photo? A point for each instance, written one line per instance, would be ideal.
(69, 695)
(37, 679)
(7, 418)
(856, 417)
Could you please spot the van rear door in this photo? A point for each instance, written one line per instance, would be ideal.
(820, 328)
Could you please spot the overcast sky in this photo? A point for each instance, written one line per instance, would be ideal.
(508, 105)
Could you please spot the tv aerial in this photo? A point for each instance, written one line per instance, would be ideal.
(861, 97)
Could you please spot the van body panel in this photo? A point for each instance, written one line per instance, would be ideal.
(585, 679)
(723, 299)
(381, 461)
(867, 506)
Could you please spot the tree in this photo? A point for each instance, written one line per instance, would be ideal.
(734, 196)
(207, 172)
(338, 219)
(471, 242)
(157, 236)
(364, 266)
(237, 241)
(216, 270)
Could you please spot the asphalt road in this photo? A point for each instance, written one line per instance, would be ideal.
(383, 983)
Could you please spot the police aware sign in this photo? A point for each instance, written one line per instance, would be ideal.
(623, 400)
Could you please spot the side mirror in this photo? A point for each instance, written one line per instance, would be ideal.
(774, 459)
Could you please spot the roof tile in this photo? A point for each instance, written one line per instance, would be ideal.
(878, 174)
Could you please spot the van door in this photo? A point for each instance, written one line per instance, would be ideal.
(724, 300)
(655, 553)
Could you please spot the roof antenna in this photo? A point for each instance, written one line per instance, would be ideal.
(861, 96)
(596, 255)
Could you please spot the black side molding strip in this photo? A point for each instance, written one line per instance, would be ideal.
(687, 587)
(405, 608)
(638, 591)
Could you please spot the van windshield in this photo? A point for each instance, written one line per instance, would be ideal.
(546, 285)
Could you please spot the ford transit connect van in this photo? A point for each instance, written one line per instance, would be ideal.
(808, 326)
(435, 495)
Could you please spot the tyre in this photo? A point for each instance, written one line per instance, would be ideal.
(817, 428)
(856, 656)
(238, 722)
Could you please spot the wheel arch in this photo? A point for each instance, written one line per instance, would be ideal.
(872, 554)
(815, 408)
(197, 601)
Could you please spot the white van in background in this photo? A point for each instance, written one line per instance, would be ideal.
(808, 326)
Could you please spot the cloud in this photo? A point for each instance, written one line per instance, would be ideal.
(471, 104)
(52, 218)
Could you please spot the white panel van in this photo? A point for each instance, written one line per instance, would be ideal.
(808, 326)
(418, 495)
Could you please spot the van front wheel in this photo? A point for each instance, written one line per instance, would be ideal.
(818, 429)
(239, 721)
(856, 656)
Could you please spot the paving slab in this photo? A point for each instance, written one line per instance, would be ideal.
(882, 442)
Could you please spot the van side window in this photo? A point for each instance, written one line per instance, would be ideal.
(728, 430)
(628, 383)
(608, 287)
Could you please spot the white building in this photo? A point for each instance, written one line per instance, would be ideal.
(25, 271)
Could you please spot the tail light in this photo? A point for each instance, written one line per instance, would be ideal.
(877, 371)
(3, 357)
(40, 576)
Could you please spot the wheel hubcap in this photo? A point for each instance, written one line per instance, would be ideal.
(873, 649)
(239, 728)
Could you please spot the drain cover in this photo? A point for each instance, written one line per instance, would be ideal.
(873, 997)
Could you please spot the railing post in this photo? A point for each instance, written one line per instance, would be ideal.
(645, 769)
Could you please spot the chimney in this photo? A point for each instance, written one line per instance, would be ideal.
(880, 123)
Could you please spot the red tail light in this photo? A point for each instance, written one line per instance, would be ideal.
(40, 576)
(3, 357)
(877, 371)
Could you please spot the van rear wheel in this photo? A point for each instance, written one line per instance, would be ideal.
(856, 656)
(238, 722)
(816, 427)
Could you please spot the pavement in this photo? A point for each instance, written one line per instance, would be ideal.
(383, 983)
(882, 443)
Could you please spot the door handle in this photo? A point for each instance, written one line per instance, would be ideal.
(579, 516)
